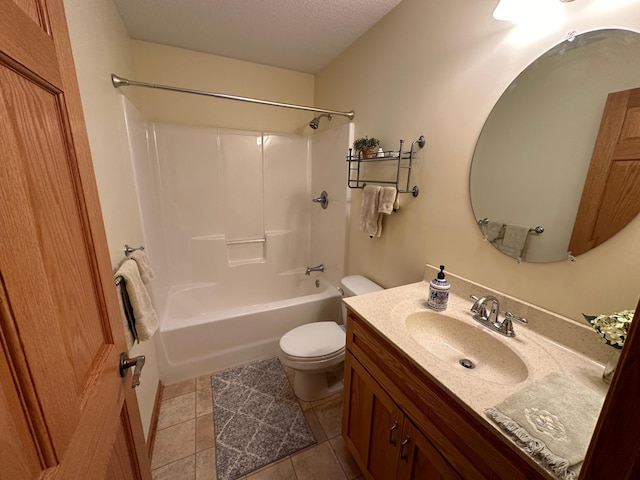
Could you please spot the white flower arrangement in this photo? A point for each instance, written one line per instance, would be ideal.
(612, 328)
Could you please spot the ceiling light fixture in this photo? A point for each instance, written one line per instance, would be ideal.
(518, 10)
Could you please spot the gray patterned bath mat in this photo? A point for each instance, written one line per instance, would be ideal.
(257, 418)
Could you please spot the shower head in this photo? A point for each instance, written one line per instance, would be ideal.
(316, 121)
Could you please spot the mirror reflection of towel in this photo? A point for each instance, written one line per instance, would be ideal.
(515, 240)
(492, 230)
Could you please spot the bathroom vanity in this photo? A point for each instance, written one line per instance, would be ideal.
(410, 412)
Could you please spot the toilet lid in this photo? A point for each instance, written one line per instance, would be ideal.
(313, 340)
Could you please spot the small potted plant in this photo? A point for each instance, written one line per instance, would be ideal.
(367, 146)
(613, 330)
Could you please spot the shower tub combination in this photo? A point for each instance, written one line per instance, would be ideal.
(209, 327)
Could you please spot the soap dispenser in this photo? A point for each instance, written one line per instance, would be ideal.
(439, 292)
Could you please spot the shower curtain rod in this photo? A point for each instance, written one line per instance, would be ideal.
(123, 82)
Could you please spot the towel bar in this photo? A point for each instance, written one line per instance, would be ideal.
(128, 250)
(539, 229)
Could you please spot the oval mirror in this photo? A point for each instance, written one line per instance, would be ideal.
(532, 160)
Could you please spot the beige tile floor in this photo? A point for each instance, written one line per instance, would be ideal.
(184, 446)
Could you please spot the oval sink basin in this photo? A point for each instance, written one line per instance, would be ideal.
(451, 340)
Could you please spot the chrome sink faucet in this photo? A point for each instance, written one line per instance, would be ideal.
(491, 319)
(319, 268)
(479, 308)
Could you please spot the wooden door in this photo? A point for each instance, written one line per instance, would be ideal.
(419, 460)
(372, 423)
(611, 194)
(65, 412)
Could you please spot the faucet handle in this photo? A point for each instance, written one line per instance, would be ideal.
(474, 307)
(515, 317)
(506, 327)
(479, 309)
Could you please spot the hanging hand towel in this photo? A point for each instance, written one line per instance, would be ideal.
(387, 200)
(146, 319)
(128, 319)
(515, 240)
(144, 265)
(369, 214)
(493, 230)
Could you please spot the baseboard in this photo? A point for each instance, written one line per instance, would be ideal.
(151, 438)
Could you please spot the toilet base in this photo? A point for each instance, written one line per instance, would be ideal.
(312, 386)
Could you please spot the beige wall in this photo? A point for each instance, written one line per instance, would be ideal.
(156, 63)
(433, 68)
(437, 68)
(101, 46)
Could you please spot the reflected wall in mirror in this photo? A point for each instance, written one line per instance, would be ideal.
(533, 154)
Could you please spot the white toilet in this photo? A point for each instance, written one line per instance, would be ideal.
(316, 350)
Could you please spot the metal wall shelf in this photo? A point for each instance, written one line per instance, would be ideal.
(404, 161)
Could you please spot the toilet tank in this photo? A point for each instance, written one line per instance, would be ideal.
(356, 285)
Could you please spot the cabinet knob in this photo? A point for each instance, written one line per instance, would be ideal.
(404, 443)
(393, 427)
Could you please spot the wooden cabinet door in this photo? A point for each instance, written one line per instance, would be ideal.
(419, 460)
(371, 423)
(65, 412)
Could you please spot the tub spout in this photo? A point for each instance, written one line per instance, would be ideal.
(319, 268)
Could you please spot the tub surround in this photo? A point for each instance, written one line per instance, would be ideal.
(548, 344)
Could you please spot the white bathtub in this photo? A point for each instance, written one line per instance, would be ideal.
(210, 327)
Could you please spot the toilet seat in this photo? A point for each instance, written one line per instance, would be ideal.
(314, 342)
(324, 358)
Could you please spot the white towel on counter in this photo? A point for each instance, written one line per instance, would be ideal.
(387, 200)
(144, 265)
(146, 319)
(369, 221)
(552, 419)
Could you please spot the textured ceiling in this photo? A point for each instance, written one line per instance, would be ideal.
(301, 35)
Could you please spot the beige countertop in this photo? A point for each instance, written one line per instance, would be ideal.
(548, 343)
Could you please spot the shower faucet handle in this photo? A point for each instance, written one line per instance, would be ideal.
(323, 199)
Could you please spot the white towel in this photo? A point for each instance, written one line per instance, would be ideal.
(128, 334)
(493, 230)
(144, 265)
(515, 239)
(143, 311)
(369, 216)
(387, 200)
(552, 419)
